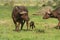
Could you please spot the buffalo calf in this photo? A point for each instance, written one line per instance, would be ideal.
(32, 25)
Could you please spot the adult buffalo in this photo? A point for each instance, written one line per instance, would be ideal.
(53, 14)
(20, 16)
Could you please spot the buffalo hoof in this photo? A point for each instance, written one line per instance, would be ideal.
(16, 30)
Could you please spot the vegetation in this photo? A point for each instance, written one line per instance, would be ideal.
(44, 28)
(30, 2)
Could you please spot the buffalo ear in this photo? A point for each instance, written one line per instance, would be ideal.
(16, 8)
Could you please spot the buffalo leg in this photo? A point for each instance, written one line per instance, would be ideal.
(27, 24)
(17, 26)
(15, 23)
(59, 25)
(32, 26)
(22, 23)
(59, 22)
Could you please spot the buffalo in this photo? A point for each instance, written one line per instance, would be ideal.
(32, 24)
(53, 14)
(20, 16)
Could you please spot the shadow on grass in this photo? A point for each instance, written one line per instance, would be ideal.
(57, 27)
(26, 30)
(23, 30)
(40, 31)
(35, 30)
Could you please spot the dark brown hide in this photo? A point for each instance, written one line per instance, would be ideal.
(20, 16)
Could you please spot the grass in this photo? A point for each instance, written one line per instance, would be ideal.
(7, 26)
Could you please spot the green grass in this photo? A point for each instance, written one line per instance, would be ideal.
(7, 26)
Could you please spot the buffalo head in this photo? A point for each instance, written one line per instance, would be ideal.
(24, 15)
(48, 15)
(23, 12)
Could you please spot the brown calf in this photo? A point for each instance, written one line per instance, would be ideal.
(32, 25)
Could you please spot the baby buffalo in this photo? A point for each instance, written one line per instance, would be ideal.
(32, 25)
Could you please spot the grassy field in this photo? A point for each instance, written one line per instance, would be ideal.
(44, 28)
